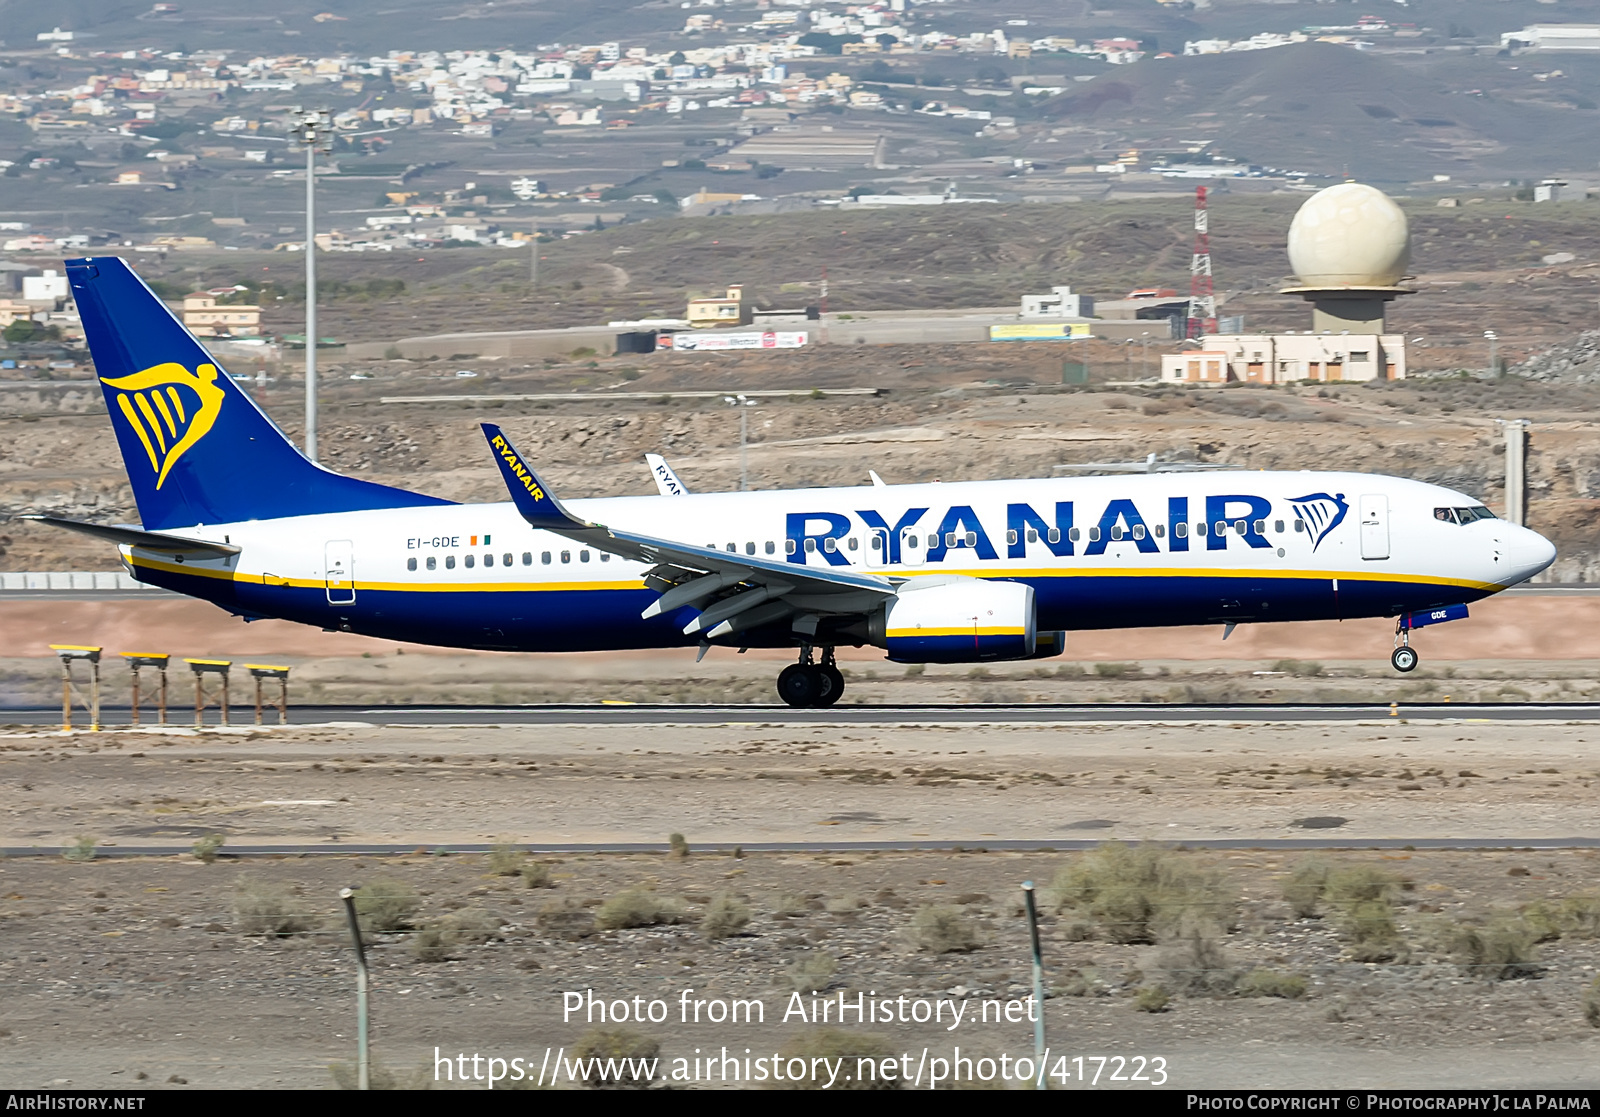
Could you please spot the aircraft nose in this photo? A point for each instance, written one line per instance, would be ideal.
(1527, 553)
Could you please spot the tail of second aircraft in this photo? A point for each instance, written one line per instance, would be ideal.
(197, 449)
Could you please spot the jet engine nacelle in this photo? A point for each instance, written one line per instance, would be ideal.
(958, 621)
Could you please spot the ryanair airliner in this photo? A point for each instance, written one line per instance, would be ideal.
(233, 513)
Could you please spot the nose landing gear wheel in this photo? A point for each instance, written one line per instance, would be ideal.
(1404, 658)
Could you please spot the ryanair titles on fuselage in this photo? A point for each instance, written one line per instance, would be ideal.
(1241, 516)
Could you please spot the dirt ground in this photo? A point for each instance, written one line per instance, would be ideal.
(118, 968)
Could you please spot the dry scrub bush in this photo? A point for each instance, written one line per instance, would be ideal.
(267, 908)
(80, 850)
(941, 929)
(1575, 917)
(678, 844)
(1362, 896)
(205, 849)
(1591, 1004)
(1152, 998)
(429, 945)
(789, 903)
(1304, 886)
(536, 874)
(724, 916)
(835, 1044)
(1500, 949)
(387, 905)
(1192, 960)
(470, 926)
(505, 860)
(813, 973)
(618, 1044)
(347, 1076)
(1271, 983)
(636, 907)
(1139, 894)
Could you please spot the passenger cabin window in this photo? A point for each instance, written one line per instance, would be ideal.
(1299, 525)
(949, 539)
(933, 540)
(913, 541)
(505, 560)
(527, 558)
(1011, 537)
(972, 539)
(811, 546)
(1033, 534)
(488, 560)
(1277, 527)
(749, 548)
(1180, 530)
(469, 561)
(566, 556)
(1116, 532)
(1161, 531)
(544, 557)
(830, 544)
(433, 563)
(877, 542)
(411, 564)
(1055, 535)
(1200, 529)
(449, 562)
(1138, 531)
(855, 545)
(605, 556)
(583, 556)
(771, 548)
(788, 546)
(1094, 535)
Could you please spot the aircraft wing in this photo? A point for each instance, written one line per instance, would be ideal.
(750, 591)
(666, 480)
(156, 541)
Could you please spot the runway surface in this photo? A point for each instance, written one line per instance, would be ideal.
(664, 714)
(727, 849)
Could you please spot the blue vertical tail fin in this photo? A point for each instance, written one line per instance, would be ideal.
(197, 448)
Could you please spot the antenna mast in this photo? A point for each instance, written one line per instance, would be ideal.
(1202, 302)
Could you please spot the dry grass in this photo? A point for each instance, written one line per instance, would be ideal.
(536, 874)
(505, 860)
(1152, 998)
(1504, 947)
(81, 849)
(387, 905)
(1139, 894)
(637, 907)
(1192, 960)
(205, 849)
(1304, 886)
(812, 973)
(268, 908)
(942, 929)
(834, 1044)
(724, 916)
(1271, 983)
(616, 1044)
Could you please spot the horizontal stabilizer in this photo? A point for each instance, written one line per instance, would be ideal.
(144, 540)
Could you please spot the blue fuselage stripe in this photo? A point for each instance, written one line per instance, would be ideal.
(562, 620)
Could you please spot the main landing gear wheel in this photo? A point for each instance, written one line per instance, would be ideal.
(800, 684)
(811, 684)
(1404, 658)
(833, 681)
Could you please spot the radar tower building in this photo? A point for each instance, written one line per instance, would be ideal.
(1350, 247)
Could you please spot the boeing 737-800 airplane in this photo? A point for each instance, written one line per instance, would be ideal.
(233, 513)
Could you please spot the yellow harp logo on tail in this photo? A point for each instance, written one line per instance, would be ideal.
(169, 408)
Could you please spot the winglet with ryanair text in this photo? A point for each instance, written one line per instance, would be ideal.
(533, 498)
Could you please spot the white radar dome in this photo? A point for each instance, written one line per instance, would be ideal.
(1349, 235)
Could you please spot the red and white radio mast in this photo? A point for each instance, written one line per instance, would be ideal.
(1202, 302)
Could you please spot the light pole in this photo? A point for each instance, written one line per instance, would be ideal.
(313, 128)
(744, 437)
(1492, 337)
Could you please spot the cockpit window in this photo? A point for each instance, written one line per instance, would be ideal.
(1463, 515)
